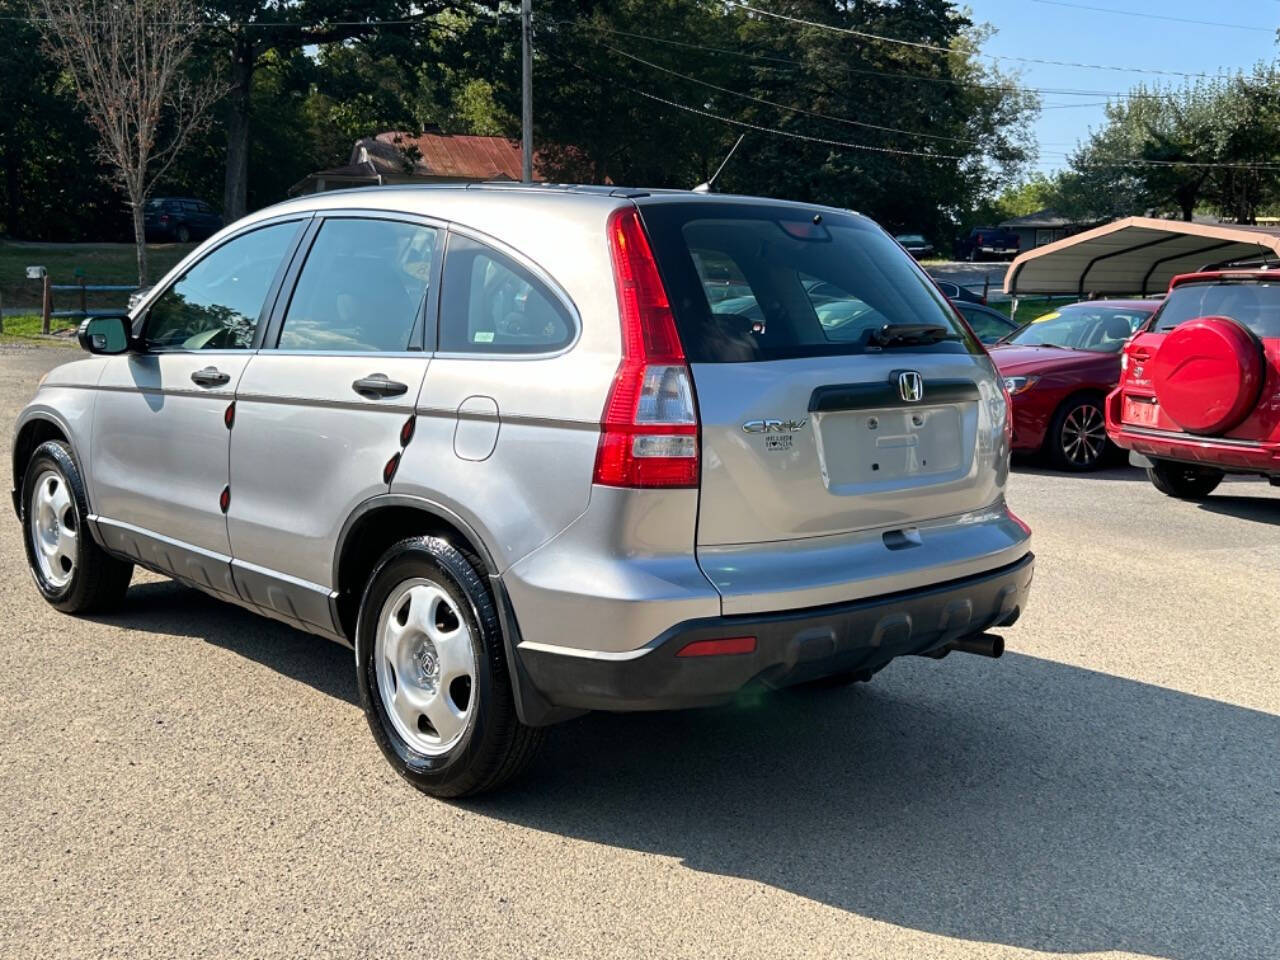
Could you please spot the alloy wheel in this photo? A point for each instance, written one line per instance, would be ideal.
(1084, 435)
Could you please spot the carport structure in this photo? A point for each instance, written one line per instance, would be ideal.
(1137, 255)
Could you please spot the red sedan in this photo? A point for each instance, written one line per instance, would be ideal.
(1059, 369)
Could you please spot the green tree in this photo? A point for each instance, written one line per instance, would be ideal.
(1211, 145)
(248, 32)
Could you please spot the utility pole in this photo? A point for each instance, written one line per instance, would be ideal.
(526, 91)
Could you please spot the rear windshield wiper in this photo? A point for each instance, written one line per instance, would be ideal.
(893, 333)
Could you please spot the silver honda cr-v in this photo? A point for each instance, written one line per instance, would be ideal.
(538, 450)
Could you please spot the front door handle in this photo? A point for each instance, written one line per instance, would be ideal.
(211, 377)
(377, 385)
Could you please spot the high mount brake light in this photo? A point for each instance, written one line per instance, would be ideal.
(649, 430)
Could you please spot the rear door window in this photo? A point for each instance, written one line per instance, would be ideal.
(1252, 303)
(751, 282)
(362, 288)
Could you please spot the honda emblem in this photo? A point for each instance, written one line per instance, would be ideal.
(911, 386)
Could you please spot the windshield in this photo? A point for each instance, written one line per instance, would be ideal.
(1082, 326)
(756, 282)
(907, 238)
(1252, 303)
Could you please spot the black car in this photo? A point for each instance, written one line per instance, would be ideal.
(915, 244)
(989, 325)
(179, 218)
(956, 293)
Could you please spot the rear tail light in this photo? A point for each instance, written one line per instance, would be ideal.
(649, 430)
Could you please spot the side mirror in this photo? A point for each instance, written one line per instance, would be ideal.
(106, 333)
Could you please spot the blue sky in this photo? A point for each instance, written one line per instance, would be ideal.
(1044, 29)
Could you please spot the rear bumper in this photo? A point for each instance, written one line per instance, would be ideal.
(1223, 454)
(791, 646)
(1240, 456)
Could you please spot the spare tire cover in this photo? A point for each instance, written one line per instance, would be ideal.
(1208, 373)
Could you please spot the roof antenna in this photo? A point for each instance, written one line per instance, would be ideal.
(710, 185)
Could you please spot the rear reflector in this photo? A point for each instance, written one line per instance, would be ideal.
(725, 646)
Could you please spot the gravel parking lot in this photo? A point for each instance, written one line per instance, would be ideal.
(184, 779)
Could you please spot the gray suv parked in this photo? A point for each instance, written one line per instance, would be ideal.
(515, 446)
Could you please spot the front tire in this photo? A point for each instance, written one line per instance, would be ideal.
(433, 676)
(71, 571)
(1078, 436)
(1184, 481)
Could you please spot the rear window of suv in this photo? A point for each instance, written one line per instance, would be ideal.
(756, 282)
(1250, 302)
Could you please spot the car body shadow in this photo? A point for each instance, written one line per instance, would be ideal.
(1036, 468)
(1022, 802)
(1259, 509)
(1026, 803)
(169, 608)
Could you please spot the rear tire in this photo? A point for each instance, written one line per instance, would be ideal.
(71, 571)
(433, 676)
(1184, 481)
(184, 235)
(1077, 439)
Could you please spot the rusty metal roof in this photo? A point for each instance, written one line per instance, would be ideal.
(459, 156)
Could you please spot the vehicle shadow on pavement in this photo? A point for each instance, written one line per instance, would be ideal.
(167, 607)
(1025, 803)
(1036, 468)
(1260, 509)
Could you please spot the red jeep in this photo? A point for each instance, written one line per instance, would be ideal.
(1199, 393)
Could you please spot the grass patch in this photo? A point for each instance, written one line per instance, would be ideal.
(1031, 307)
(114, 263)
(28, 325)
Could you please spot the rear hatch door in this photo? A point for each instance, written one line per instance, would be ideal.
(837, 390)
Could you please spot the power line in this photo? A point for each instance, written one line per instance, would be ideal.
(784, 63)
(1156, 16)
(760, 128)
(917, 45)
(790, 109)
(425, 19)
(826, 141)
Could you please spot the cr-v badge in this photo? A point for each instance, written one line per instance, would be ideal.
(772, 426)
(777, 432)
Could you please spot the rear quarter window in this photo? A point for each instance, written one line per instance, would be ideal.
(755, 282)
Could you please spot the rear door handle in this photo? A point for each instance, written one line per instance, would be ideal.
(377, 385)
(211, 377)
(1141, 355)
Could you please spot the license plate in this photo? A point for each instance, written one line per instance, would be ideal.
(888, 445)
(1144, 413)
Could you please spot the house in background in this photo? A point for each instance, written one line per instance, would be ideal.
(432, 157)
(1043, 227)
